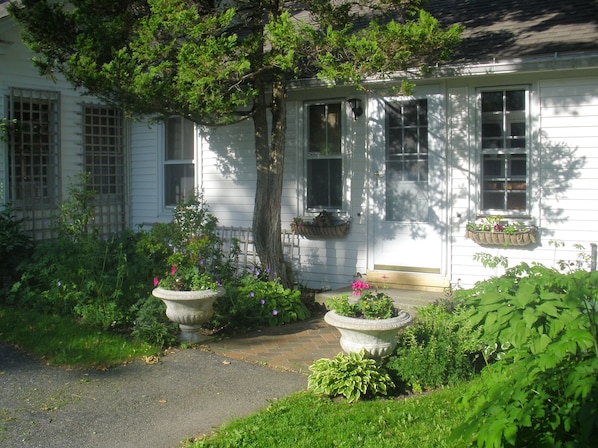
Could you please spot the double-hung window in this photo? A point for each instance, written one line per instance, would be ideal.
(505, 142)
(324, 156)
(179, 160)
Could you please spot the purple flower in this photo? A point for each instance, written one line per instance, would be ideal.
(263, 302)
(274, 312)
(251, 294)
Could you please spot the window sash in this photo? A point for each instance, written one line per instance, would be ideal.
(504, 151)
(324, 161)
(179, 160)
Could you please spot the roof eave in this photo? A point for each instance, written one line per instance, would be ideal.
(544, 63)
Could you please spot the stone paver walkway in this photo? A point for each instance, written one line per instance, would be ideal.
(291, 347)
(297, 345)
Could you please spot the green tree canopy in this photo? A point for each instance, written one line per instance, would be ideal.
(217, 62)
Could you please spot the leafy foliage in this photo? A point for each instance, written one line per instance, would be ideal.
(352, 376)
(440, 348)
(369, 305)
(151, 324)
(15, 246)
(254, 300)
(540, 329)
(193, 248)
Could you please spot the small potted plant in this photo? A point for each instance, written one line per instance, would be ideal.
(324, 225)
(496, 231)
(370, 323)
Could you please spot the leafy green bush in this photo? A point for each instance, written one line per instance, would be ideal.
(96, 279)
(541, 329)
(151, 324)
(15, 246)
(255, 301)
(440, 348)
(352, 376)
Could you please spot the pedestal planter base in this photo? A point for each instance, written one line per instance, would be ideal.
(189, 309)
(377, 337)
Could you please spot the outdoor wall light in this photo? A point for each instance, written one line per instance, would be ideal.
(355, 104)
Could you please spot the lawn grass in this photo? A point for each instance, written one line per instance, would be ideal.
(63, 341)
(303, 420)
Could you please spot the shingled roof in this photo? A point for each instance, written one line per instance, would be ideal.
(508, 29)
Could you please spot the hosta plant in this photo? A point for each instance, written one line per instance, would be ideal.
(352, 376)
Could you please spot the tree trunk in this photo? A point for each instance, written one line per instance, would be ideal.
(269, 154)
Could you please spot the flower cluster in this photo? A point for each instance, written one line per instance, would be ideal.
(186, 278)
(496, 224)
(369, 305)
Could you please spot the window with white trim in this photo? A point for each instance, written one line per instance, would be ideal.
(324, 156)
(504, 147)
(179, 160)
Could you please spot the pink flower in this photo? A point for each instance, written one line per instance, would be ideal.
(358, 286)
(156, 281)
(173, 269)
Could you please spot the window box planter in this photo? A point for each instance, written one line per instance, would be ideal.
(315, 231)
(525, 237)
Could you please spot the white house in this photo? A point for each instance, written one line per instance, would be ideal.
(509, 128)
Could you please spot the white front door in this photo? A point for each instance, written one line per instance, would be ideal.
(408, 177)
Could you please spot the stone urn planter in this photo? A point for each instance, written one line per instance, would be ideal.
(189, 309)
(378, 337)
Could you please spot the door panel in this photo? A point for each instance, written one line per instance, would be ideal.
(405, 229)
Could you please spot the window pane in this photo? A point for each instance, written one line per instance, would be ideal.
(324, 128)
(492, 102)
(515, 100)
(178, 182)
(324, 183)
(179, 139)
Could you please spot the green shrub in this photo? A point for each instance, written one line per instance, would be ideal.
(255, 301)
(15, 247)
(96, 279)
(352, 376)
(440, 348)
(540, 327)
(151, 324)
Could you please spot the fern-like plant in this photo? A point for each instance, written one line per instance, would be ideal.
(352, 376)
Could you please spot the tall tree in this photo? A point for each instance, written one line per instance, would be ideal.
(217, 62)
